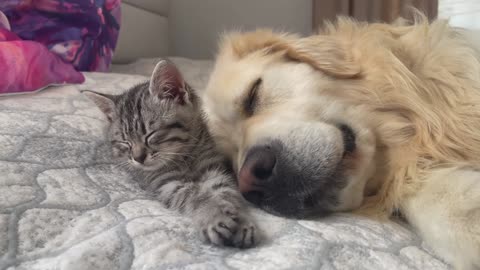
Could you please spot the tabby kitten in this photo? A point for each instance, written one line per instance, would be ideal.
(158, 130)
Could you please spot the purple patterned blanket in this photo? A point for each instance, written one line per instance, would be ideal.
(45, 42)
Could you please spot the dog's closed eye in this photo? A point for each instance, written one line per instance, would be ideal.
(250, 100)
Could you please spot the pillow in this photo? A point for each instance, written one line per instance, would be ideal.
(81, 32)
(47, 42)
(28, 65)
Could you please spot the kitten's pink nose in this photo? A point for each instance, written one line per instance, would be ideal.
(139, 154)
(257, 168)
(140, 158)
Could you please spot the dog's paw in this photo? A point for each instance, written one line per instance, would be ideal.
(226, 226)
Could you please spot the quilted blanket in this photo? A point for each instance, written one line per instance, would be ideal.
(64, 205)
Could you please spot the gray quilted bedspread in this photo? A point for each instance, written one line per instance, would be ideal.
(64, 205)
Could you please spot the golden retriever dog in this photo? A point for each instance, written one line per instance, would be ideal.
(371, 118)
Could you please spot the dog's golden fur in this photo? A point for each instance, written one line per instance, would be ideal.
(421, 84)
(419, 89)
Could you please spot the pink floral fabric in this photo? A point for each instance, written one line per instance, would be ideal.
(45, 42)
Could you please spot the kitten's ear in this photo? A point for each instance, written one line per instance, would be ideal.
(167, 82)
(105, 102)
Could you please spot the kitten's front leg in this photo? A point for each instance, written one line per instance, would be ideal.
(223, 218)
(215, 205)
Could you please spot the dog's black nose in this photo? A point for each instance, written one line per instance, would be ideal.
(261, 162)
(257, 168)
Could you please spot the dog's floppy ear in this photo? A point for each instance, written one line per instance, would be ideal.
(324, 53)
(106, 103)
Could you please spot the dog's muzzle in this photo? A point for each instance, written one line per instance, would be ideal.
(280, 180)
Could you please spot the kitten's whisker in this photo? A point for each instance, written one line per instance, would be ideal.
(193, 137)
(179, 154)
(122, 164)
(172, 160)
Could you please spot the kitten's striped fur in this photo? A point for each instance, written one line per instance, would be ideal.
(158, 130)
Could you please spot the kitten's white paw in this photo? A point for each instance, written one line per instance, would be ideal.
(226, 226)
(246, 235)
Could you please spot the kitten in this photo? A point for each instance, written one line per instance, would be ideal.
(158, 130)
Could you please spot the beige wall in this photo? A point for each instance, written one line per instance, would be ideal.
(195, 24)
(143, 30)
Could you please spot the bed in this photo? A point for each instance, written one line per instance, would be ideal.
(65, 205)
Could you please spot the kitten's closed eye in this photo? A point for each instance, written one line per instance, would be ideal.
(121, 145)
(159, 137)
(154, 138)
(175, 125)
(120, 148)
